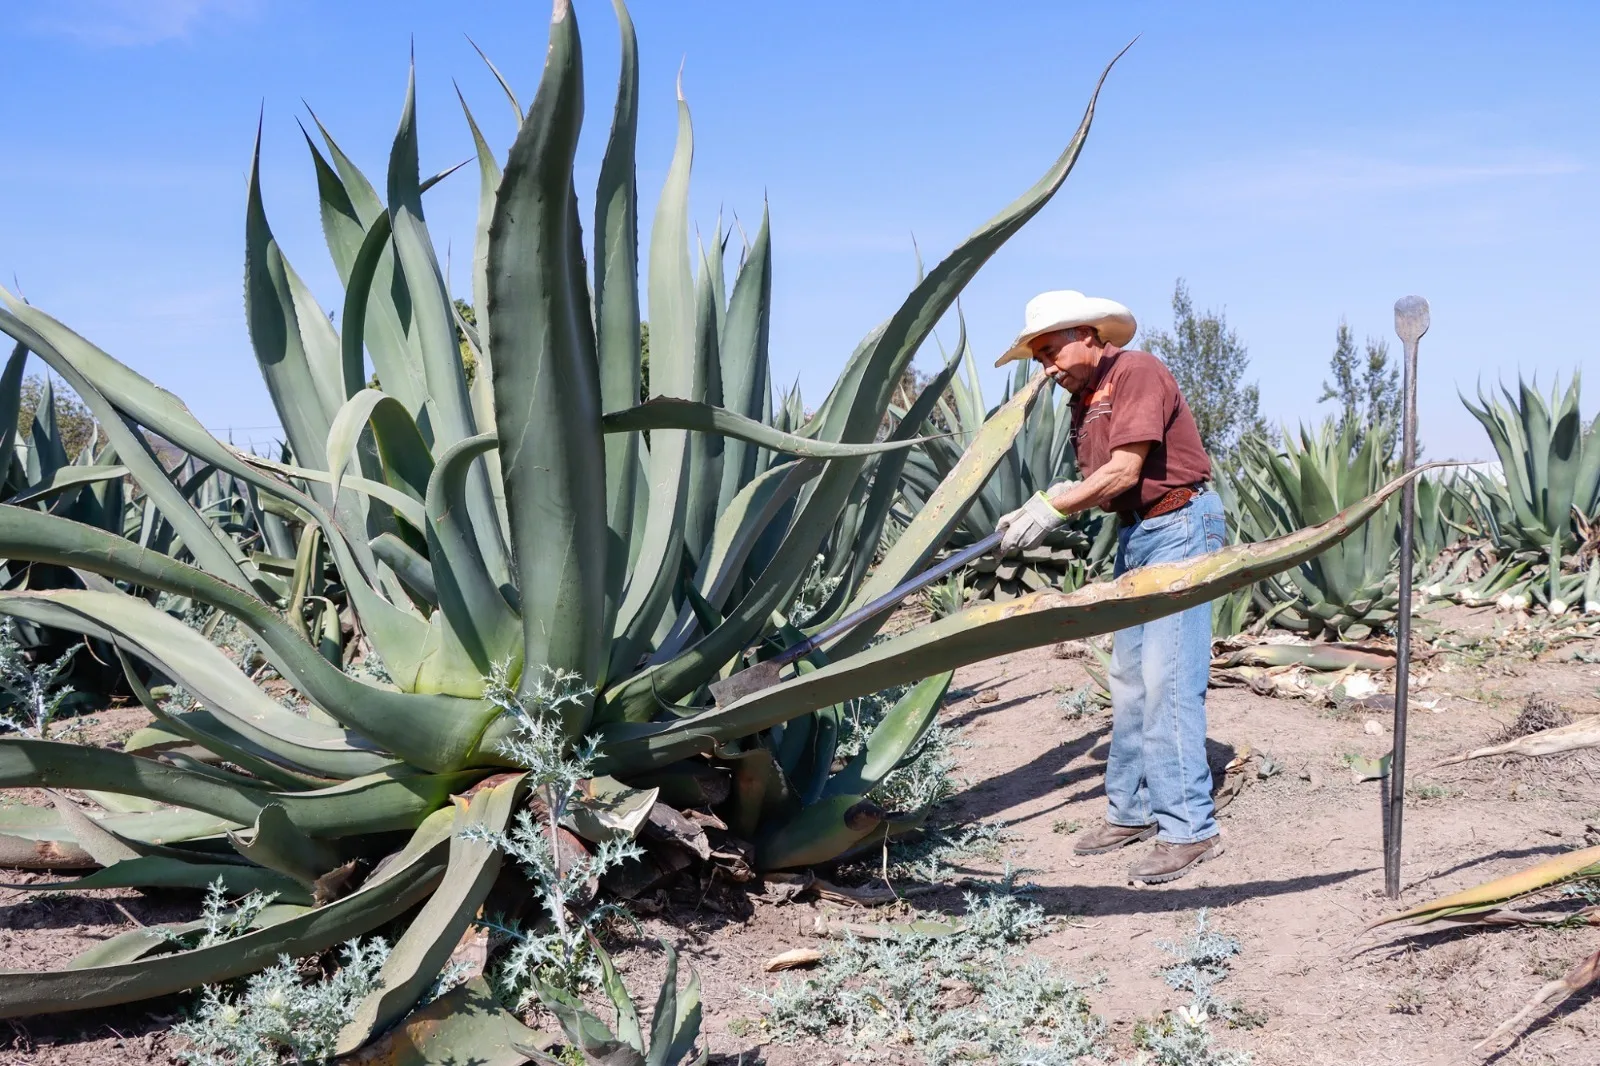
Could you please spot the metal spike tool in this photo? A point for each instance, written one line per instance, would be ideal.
(1410, 323)
(764, 675)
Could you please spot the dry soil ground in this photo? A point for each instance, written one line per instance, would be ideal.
(1302, 875)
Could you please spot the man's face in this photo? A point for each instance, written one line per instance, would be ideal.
(1068, 356)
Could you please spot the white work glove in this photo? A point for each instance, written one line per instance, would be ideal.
(1028, 525)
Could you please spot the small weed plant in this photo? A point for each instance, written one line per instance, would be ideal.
(925, 777)
(942, 853)
(815, 589)
(1184, 1037)
(559, 953)
(279, 1017)
(962, 993)
(34, 695)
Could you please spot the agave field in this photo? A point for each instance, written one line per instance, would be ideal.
(418, 707)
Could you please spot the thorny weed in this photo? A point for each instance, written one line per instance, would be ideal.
(814, 591)
(35, 695)
(1184, 1037)
(279, 1017)
(942, 853)
(221, 920)
(925, 777)
(1202, 962)
(558, 954)
(1079, 703)
(967, 995)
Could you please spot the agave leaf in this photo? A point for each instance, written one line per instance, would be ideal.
(686, 1028)
(547, 381)
(104, 846)
(65, 479)
(384, 326)
(481, 389)
(607, 809)
(469, 596)
(628, 1030)
(739, 528)
(216, 553)
(371, 804)
(664, 1019)
(744, 358)
(406, 458)
(885, 486)
(140, 829)
(705, 449)
(432, 731)
(818, 833)
(892, 739)
(1551, 872)
(412, 567)
(274, 324)
(673, 373)
(465, 1024)
(584, 1031)
(200, 666)
(206, 733)
(433, 331)
(387, 894)
(403, 504)
(420, 953)
(984, 631)
(666, 412)
(162, 871)
(278, 844)
(10, 405)
(616, 307)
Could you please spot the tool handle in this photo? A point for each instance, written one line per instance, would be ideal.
(887, 600)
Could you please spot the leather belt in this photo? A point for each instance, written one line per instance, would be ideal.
(1173, 500)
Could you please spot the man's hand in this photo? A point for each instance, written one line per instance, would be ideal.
(1028, 525)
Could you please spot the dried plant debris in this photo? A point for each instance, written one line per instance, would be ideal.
(1537, 715)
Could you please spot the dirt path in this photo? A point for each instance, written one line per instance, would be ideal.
(1301, 877)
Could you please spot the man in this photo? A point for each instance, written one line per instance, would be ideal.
(1142, 460)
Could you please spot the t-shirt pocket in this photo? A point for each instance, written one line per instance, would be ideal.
(1216, 530)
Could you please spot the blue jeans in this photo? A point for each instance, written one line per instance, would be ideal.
(1157, 767)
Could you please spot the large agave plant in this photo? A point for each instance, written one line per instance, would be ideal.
(1040, 456)
(1349, 590)
(523, 527)
(1549, 466)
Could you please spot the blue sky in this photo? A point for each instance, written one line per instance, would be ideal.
(1294, 162)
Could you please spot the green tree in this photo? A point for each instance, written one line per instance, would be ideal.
(77, 424)
(1209, 362)
(1367, 391)
(644, 361)
(469, 361)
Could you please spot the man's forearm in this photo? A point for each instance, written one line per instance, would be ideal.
(1096, 490)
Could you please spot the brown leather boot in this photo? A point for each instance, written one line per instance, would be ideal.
(1109, 837)
(1168, 862)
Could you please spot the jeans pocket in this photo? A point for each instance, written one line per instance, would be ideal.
(1216, 531)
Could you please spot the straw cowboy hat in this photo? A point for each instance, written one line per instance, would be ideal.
(1065, 308)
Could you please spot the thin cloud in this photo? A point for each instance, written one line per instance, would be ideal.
(1316, 178)
(131, 23)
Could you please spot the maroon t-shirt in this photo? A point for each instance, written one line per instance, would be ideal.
(1134, 398)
